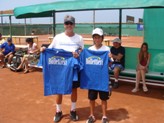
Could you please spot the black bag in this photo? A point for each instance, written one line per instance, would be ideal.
(16, 61)
(20, 52)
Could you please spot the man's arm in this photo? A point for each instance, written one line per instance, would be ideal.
(118, 57)
(8, 54)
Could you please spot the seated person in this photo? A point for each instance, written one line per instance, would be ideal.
(30, 56)
(142, 67)
(1, 39)
(118, 56)
(7, 50)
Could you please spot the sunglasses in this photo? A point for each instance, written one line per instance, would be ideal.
(68, 23)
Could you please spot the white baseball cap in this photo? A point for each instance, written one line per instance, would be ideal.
(116, 40)
(97, 31)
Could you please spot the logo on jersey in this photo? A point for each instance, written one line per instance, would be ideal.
(94, 60)
(57, 60)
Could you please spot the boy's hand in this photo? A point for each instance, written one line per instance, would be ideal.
(75, 54)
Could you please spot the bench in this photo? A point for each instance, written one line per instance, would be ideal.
(35, 66)
(152, 78)
(21, 37)
(21, 46)
(156, 67)
(50, 39)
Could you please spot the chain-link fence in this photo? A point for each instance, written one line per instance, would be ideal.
(81, 28)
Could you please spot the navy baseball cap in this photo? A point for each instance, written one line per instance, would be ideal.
(9, 39)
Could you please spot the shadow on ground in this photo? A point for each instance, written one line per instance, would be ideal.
(113, 114)
(154, 91)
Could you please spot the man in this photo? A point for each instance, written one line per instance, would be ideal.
(68, 41)
(7, 50)
(118, 64)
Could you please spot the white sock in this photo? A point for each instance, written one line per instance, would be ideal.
(58, 107)
(104, 117)
(115, 80)
(73, 106)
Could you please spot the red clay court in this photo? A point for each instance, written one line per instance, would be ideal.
(22, 100)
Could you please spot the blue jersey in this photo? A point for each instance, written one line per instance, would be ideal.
(94, 74)
(58, 70)
(8, 48)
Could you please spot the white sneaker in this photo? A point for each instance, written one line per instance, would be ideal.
(8, 65)
(145, 89)
(135, 90)
(105, 120)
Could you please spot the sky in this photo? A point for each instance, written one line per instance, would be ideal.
(104, 16)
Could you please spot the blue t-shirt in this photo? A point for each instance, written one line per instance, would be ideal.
(94, 74)
(58, 71)
(8, 48)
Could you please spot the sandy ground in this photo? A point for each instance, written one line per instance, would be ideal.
(22, 101)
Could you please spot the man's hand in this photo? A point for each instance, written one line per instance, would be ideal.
(42, 49)
(6, 56)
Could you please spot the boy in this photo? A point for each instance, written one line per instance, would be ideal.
(98, 37)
